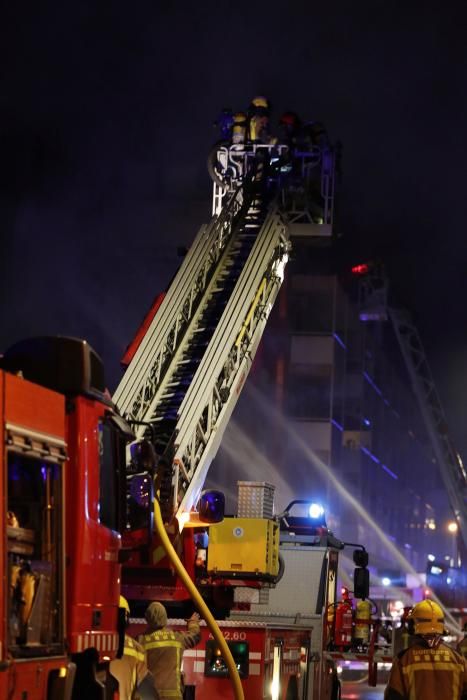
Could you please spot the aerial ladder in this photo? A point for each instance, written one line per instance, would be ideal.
(187, 373)
(185, 378)
(179, 390)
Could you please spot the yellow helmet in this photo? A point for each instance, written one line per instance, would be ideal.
(123, 603)
(428, 618)
(260, 101)
(239, 117)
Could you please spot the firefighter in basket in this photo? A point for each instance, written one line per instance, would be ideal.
(429, 669)
(239, 128)
(258, 120)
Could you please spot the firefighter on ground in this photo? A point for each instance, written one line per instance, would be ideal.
(462, 646)
(131, 671)
(429, 669)
(403, 633)
(164, 649)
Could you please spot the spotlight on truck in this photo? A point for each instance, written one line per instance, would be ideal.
(316, 511)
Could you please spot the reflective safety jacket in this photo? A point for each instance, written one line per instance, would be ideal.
(462, 647)
(424, 673)
(131, 670)
(164, 650)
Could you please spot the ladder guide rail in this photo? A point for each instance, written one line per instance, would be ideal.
(215, 389)
(188, 342)
(187, 374)
(139, 384)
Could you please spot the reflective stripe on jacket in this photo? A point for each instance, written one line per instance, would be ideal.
(424, 673)
(164, 650)
(131, 669)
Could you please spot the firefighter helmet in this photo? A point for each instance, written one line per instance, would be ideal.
(428, 618)
(289, 119)
(239, 118)
(156, 615)
(259, 101)
(123, 603)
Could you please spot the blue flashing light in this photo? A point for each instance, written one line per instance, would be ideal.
(211, 506)
(386, 581)
(316, 511)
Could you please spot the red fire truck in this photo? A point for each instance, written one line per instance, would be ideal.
(62, 508)
(67, 492)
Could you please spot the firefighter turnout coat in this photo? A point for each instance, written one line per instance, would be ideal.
(424, 673)
(131, 670)
(462, 647)
(164, 650)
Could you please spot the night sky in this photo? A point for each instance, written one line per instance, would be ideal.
(106, 115)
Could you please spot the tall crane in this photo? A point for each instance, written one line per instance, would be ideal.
(374, 307)
(450, 463)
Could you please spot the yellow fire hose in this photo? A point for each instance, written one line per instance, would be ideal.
(200, 604)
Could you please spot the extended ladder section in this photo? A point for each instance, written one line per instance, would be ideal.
(452, 470)
(188, 371)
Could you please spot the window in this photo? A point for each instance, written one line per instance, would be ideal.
(111, 476)
(311, 304)
(34, 548)
(309, 392)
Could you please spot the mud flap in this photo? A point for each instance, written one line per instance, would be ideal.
(372, 674)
